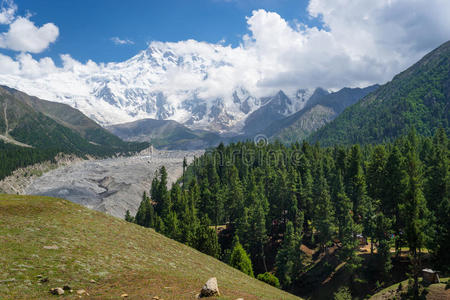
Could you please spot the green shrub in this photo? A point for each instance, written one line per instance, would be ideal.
(240, 259)
(269, 278)
(343, 294)
(377, 286)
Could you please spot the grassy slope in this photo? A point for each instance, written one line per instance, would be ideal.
(121, 257)
(436, 291)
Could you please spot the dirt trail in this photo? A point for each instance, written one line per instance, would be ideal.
(5, 106)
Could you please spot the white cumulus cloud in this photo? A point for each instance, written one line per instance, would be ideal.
(7, 11)
(23, 35)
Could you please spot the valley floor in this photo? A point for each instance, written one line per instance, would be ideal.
(110, 185)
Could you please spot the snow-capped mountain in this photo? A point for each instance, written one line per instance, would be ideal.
(164, 82)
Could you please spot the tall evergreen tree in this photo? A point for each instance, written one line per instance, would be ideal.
(383, 237)
(376, 174)
(348, 230)
(395, 186)
(306, 195)
(172, 226)
(342, 203)
(160, 194)
(235, 201)
(145, 215)
(206, 239)
(258, 236)
(356, 185)
(324, 214)
(288, 260)
(438, 197)
(415, 216)
(184, 172)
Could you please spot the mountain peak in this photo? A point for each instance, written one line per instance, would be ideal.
(163, 82)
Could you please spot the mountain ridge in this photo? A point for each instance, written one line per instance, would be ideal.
(418, 97)
(321, 109)
(165, 134)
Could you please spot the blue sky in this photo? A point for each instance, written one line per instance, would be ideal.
(268, 44)
(86, 27)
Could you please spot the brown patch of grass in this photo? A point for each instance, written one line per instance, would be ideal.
(438, 292)
(307, 250)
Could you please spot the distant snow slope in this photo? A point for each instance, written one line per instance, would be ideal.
(198, 88)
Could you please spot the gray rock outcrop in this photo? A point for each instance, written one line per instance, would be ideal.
(210, 289)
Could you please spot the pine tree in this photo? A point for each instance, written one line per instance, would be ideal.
(184, 172)
(383, 237)
(415, 216)
(144, 215)
(395, 186)
(149, 219)
(240, 259)
(376, 174)
(160, 194)
(215, 208)
(356, 185)
(341, 160)
(324, 215)
(437, 188)
(235, 201)
(188, 221)
(172, 226)
(438, 184)
(154, 193)
(206, 239)
(242, 228)
(441, 242)
(128, 217)
(293, 213)
(342, 203)
(205, 201)
(306, 194)
(288, 260)
(159, 225)
(348, 232)
(258, 236)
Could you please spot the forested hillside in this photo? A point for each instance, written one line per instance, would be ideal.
(274, 199)
(33, 130)
(419, 97)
